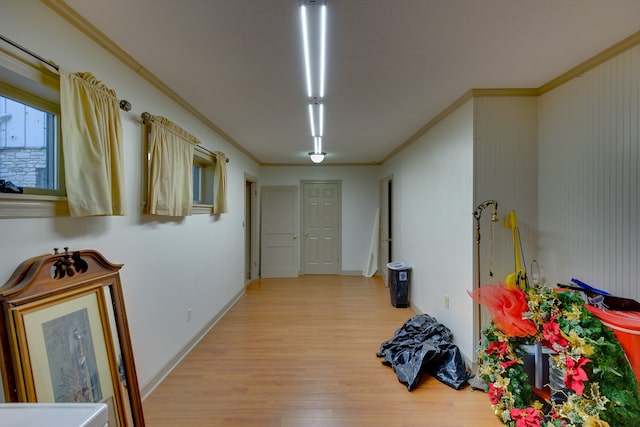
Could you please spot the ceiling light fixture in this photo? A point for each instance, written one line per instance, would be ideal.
(313, 14)
(317, 157)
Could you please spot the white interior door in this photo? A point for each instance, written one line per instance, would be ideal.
(321, 213)
(279, 228)
(386, 242)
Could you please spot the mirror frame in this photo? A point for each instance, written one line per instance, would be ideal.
(47, 289)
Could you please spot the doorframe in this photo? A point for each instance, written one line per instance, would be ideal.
(303, 264)
(252, 240)
(386, 211)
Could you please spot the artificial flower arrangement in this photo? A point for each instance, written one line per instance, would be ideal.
(600, 388)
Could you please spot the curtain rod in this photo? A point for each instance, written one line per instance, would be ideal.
(212, 153)
(123, 103)
(148, 117)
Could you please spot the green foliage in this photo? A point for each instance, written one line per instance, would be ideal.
(611, 390)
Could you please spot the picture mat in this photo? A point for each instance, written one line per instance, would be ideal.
(33, 321)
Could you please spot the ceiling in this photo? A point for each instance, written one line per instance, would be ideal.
(392, 66)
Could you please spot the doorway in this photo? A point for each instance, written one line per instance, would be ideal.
(250, 230)
(386, 227)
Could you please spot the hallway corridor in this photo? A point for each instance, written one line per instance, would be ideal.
(302, 352)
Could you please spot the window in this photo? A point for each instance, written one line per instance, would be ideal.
(30, 155)
(29, 149)
(203, 173)
(197, 178)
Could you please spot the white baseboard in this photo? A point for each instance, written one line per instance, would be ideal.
(351, 273)
(159, 376)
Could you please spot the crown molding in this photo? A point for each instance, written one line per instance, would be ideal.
(609, 53)
(76, 20)
(80, 23)
(605, 55)
(504, 92)
(437, 119)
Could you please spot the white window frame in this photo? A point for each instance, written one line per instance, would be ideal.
(207, 163)
(26, 80)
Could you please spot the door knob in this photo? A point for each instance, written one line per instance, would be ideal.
(295, 237)
(306, 234)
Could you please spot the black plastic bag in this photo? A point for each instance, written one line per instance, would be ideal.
(424, 345)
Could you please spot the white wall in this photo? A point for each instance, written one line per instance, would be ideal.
(360, 195)
(487, 149)
(433, 225)
(589, 179)
(169, 265)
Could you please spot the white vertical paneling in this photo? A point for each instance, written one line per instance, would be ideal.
(588, 177)
(506, 159)
(505, 170)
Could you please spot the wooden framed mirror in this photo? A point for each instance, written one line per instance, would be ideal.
(64, 335)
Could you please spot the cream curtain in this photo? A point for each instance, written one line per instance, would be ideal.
(220, 179)
(91, 146)
(170, 168)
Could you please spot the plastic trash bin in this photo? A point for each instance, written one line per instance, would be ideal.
(626, 326)
(399, 275)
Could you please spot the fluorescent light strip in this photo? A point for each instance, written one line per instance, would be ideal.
(316, 109)
(312, 121)
(316, 116)
(305, 37)
(323, 46)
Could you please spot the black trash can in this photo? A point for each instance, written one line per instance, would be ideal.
(399, 275)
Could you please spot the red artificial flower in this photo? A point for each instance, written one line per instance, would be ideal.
(528, 417)
(552, 335)
(508, 363)
(496, 347)
(576, 376)
(495, 393)
(507, 307)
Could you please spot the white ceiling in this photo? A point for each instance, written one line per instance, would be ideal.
(392, 65)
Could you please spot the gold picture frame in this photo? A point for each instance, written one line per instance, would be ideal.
(64, 335)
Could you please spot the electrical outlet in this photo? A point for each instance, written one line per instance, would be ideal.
(188, 315)
(446, 301)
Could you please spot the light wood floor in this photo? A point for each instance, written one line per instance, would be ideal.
(302, 352)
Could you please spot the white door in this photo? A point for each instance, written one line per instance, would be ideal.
(386, 242)
(279, 244)
(321, 216)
